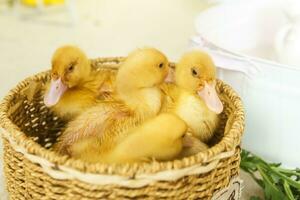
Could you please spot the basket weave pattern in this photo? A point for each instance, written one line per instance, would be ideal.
(34, 172)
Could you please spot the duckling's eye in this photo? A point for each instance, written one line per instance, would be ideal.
(161, 65)
(54, 75)
(194, 72)
(71, 68)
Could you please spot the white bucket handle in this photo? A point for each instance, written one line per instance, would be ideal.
(226, 59)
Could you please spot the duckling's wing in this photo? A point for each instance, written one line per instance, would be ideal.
(106, 79)
(97, 148)
(171, 94)
(91, 123)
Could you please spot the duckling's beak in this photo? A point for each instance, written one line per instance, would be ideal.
(170, 78)
(57, 89)
(210, 97)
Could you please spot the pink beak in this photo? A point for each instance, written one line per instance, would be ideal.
(55, 92)
(170, 78)
(211, 98)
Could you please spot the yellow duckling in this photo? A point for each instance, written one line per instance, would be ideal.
(140, 98)
(194, 99)
(158, 138)
(75, 85)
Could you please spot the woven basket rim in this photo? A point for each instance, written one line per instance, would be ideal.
(228, 143)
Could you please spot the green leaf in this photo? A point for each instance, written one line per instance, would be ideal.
(249, 166)
(260, 183)
(288, 191)
(278, 183)
(270, 190)
(292, 182)
(275, 164)
(288, 172)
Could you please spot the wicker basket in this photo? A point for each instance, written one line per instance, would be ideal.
(34, 172)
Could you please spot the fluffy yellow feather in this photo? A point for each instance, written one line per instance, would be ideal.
(158, 138)
(95, 134)
(75, 85)
(194, 98)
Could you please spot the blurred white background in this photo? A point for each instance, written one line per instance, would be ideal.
(103, 28)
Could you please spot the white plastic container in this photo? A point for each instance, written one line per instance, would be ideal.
(241, 37)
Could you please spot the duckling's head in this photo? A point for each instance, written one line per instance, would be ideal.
(143, 68)
(71, 65)
(196, 73)
(70, 68)
(138, 80)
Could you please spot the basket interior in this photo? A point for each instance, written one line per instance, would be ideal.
(33, 118)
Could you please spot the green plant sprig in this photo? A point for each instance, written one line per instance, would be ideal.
(278, 183)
